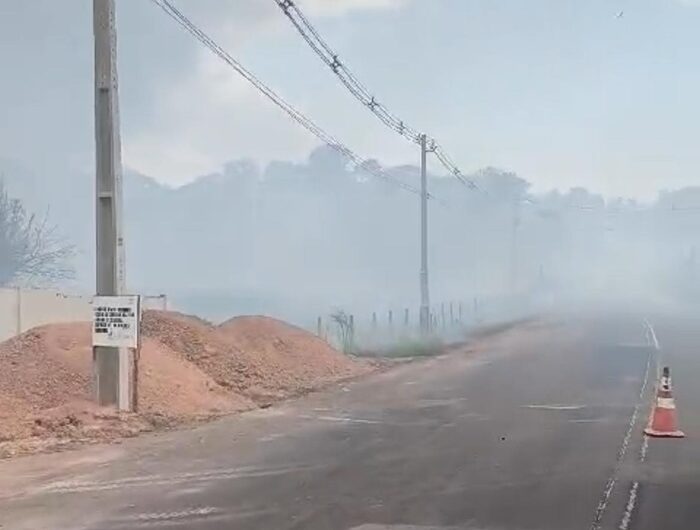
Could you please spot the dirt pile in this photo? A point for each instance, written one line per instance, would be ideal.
(189, 369)
(285, 358)
(46, 389)
(258, 357)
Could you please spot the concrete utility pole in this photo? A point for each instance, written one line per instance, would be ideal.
(514, 248)
(112, 366)
(425, 323)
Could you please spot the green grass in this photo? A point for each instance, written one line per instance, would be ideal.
(407, 349)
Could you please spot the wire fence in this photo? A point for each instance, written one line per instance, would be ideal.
(376, 332)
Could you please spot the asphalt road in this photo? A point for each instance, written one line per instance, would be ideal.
(540, 429)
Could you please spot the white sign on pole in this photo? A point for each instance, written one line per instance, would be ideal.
(115, 321)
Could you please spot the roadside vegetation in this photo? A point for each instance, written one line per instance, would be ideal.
(405, 349)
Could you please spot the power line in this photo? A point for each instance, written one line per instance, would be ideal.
(328, 56)
(314, 39)
(296, 115)
(453, 169)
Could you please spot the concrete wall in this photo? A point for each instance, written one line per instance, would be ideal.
(23, 309)
(9, 313)
(159, 302)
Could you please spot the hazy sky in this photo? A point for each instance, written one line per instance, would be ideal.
(563, 92)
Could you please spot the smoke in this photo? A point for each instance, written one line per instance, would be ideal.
(300, 239)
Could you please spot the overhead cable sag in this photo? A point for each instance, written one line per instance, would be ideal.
(296, 115)
(316, 42)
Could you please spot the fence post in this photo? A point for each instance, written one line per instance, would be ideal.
(442, 314)
(391, 318)
(374, 321)
(405, 318)
(319, 327)
(452, 314)
(352, 333)
(460, 312)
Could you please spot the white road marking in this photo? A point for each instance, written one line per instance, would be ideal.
(182, 518)
(645, 381)
(629, 509)
(644, 450)
(610, 486)
(652, 335)
(182, 514)
(634, 490)
(167, 480)
(348, 420)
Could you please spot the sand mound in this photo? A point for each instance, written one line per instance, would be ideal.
(192, 338)
(288, 358)
(46, 367)
(48, 370)
(188, 369)
(259, 357)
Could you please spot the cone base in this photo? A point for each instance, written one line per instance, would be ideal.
(663, 434)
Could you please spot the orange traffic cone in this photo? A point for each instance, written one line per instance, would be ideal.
(663, 422)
